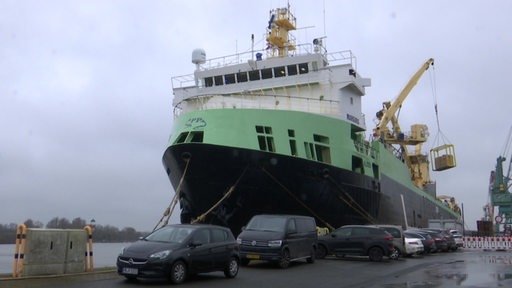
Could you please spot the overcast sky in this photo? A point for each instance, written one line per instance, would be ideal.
(85, 92)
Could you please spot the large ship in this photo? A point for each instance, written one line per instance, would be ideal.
(281, 130)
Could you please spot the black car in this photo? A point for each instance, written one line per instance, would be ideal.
(175, 251)
(360, 240)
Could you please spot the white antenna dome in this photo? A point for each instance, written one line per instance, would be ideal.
(198, 56)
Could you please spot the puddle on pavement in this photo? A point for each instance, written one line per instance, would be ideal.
(485, 270)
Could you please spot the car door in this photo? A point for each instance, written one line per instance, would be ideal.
(221, 247)
(339, 242)
(292, 236)
(200, 257)
(358, 240)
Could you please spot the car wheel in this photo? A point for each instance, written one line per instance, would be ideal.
(178, 272)
(395, 254)
(376, 254)
(321, 252)
(285, 259)
(231, 269)
(311, 258)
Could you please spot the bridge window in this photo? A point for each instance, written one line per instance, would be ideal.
(208, 81)
(241, 77)
(279, 71)
(266, 73)
(254, 75)
(292, 69)
(303, 68)
(229, 78)
(218, 80)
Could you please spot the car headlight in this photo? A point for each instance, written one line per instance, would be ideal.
(239, 240)
(161, 254)
(122, 251)
(275, 243)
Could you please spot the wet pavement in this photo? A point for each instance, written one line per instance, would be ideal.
(467, 268)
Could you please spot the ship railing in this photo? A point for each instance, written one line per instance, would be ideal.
(188, 80)
(396, 152)
(366, 149)
(260, 101)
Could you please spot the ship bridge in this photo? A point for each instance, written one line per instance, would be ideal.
(305, 82)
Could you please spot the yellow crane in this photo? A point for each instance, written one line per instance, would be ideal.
(417, 162)
(450, 202)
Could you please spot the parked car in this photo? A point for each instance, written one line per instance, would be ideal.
(176, 251)
(413, 246)
(360, 240)
(452, 246)
(398, 239)
(439, 240)
(278, 238)
(457, 236)
(429, 245)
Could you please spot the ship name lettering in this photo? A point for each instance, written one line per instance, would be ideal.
(195, 123)
(352, 118)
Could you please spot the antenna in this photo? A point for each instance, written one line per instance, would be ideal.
(252, 46)
(325, 33)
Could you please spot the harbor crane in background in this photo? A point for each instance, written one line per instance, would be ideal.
(499, 193)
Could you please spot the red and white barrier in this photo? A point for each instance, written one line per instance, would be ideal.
(494, 243)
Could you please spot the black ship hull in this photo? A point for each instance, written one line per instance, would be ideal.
(256, 182)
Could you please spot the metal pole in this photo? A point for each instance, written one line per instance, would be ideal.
(405, 215)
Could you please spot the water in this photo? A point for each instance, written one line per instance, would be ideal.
(105, 255)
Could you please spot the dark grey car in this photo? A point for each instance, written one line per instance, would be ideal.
(360, 240)
(176, 251)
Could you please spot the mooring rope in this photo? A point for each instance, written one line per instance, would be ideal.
(170, 208)
(352, 203)
(201, 217)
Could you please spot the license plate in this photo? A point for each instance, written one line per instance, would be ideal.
(132, 271)
(253, 256)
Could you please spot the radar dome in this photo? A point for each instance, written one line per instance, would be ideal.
(198, 56)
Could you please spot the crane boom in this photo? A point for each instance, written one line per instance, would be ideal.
(390, 109)
(416, 162)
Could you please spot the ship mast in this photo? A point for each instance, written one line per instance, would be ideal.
(279, 40)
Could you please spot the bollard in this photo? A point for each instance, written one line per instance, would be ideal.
(19, 252)
(89, 263)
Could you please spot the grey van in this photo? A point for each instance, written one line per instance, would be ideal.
(278, 238)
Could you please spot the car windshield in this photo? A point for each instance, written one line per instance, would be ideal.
(276, 224)
(170, 234)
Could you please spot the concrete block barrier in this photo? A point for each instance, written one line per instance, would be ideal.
(52, 251)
